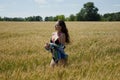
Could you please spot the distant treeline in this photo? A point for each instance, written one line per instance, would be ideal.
(31, 18)
(88, 13)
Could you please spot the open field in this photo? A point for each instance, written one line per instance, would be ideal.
(94, 52)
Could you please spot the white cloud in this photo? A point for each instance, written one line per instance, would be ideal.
(59, 0)
(45, 2)
(2, 8)
(41, 1)
(117, 5)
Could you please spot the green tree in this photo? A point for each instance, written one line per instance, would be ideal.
(61, 17)
(79, 17)
(50, 18)
(67, 19)
(34, 18)
(88, 13)
(7, 19)
(0, 19)
(38, 18)
(46, 19)
(71, 17)
(29, 18)
(117, 16)
(111, 16)
(17, 19)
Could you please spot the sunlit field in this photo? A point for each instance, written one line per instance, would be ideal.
(94, 51)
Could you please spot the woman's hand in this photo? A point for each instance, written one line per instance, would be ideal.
(47, 45)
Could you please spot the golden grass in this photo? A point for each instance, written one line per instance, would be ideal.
(94, 52)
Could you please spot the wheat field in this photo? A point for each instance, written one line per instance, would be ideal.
(94, 51)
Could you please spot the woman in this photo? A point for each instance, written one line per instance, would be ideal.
(57, 44)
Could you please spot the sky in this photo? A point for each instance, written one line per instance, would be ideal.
(43, 8)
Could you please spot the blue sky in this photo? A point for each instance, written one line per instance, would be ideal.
(25, 8)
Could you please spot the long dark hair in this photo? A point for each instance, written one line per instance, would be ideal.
(64, 30)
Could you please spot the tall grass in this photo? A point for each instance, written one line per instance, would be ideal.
(94, 51)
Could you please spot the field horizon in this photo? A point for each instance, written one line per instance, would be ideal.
(94, 51)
